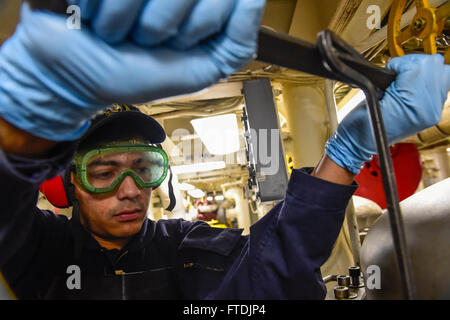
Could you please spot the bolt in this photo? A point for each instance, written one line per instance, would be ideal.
(420, 24)
(341, 293)
(355, 273)
(343, 280)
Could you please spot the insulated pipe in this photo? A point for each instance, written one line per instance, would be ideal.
(434, 134)
(350, 216)
(241, 209)
(353, 231)
(331, 105)
(305, 110)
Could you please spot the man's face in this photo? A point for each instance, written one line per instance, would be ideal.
(120, 213)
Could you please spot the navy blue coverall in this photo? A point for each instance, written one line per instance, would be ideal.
(280, 259)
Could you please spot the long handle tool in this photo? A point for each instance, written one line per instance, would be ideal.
(332, 58)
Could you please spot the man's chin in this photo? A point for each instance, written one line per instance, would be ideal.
(128, 228)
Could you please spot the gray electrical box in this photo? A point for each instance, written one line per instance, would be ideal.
(267, 165)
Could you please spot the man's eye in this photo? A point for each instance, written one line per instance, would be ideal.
(102, 175)
(143, 170)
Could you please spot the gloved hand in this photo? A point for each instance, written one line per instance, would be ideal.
(412, 103)
(53, 79)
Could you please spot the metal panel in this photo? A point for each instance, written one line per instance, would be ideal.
(267, 165)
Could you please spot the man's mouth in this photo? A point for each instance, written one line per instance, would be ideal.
(128, 215)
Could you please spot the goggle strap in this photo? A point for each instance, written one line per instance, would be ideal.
(172, 198)
(173, 201)
(69, 187)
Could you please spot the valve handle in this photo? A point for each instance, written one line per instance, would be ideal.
(426, 25)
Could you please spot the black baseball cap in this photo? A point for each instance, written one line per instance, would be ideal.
(122, 122)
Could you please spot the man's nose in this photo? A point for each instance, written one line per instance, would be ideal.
(128, 189)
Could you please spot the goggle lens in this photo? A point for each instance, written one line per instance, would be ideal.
(104, 169)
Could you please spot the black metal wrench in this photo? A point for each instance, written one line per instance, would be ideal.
(333, 58)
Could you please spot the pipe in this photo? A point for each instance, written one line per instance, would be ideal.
(434, 134)
(305, 109)
(329, 278)
(229, 185)
(353, 231)
(199, 113)
(331, 104)
(241, 210)
(350, 216)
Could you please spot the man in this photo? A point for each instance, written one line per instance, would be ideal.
(48, 94)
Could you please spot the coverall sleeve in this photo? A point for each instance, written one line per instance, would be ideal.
(287, 247)
(20, 220)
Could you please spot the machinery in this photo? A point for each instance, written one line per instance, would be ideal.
(303, 103)
(427, 218)
(426, 25)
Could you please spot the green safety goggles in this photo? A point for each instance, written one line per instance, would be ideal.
(102, 169)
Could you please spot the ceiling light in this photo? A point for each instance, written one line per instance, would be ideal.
(199, 167)
(219, 198)
(196, 193)
(185, 186)
(219, 134)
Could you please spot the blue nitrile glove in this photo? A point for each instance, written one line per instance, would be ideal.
(181, 23)
(53, 79)
(412, 103)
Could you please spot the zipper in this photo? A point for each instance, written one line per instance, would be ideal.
(122, 274)
(113, 265)
(120, 257)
